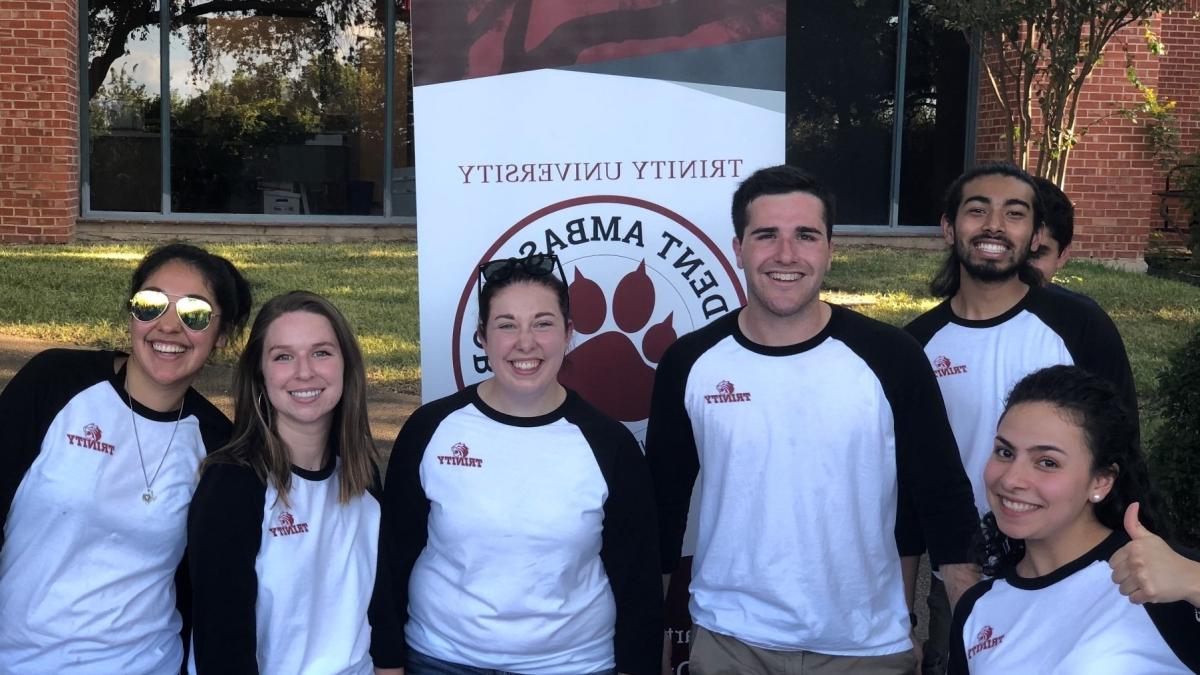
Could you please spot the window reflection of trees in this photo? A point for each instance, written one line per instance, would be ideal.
(842, 102)
(841, 88)
(282, 98)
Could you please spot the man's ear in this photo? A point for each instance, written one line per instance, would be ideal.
(1063, 256)
(737, 251)
(947, 231)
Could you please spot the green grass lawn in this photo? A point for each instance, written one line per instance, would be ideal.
(75, 294)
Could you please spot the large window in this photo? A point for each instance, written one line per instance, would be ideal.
(248, 108)
(846, 93)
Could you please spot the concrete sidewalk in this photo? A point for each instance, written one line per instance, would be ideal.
(388, 409)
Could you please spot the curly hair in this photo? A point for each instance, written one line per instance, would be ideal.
(1110, 430)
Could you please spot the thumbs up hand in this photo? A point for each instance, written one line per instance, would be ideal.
(1148, 570)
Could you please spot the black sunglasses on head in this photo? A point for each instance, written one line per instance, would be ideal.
(534, 264)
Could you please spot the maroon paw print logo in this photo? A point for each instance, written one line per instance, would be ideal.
(614, 369)
(286, 519)
(92, 432)
(460, 450)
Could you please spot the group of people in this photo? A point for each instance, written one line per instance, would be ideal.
(519, 530)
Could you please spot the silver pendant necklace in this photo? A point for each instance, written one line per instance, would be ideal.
(149, 496)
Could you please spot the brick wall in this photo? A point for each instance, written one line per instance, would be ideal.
(1112, 173)
(39, 120)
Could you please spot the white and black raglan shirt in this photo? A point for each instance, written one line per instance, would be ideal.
(87, 568)
(281, 587)
(978, 362)
(1073, 620)
(800, 452)
(524, 544)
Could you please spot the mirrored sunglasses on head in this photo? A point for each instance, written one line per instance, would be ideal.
(194, 313)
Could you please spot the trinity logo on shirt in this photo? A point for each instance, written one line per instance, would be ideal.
(288, 526)
(91, 440)
(943, 367)
(985, 640)
(459, 456)
(727, 394)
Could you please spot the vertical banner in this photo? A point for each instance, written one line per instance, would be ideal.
(611, 133)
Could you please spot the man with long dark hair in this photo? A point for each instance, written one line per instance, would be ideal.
(996, 325)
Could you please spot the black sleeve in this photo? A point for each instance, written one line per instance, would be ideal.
(671, 453)
(29, 403)
(1091, 337)
(930, 467)
(958, 648)
(629, 546)
(910, 540)
(224, 535)
(933, 487)
(1179, 623)
(403, 531)
(215, 430)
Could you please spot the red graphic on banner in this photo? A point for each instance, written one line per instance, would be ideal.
(461, 39)
(609, 370)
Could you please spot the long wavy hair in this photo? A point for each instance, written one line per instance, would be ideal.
(1110, 430)
(257, 444)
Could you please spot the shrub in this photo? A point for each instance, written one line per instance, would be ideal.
(1174, 451)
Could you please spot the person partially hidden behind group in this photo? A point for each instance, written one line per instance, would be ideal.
(284, 528)
(100, 451)
(519, 531)
(1069, 532)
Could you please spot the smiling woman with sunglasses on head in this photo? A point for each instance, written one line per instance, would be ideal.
(518, 530)
(101, 450)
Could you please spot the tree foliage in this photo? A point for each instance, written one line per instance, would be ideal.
(1042, 52)
(113, 24)
(1175, 448)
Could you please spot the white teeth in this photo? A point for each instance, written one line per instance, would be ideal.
(784, 276)
(307, 393)
(988, 247)
(167, 348)
(525, 365)
(1016, 506)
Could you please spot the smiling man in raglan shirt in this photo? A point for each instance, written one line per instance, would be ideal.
(802, 419)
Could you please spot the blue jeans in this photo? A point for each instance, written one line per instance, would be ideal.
(423, 664)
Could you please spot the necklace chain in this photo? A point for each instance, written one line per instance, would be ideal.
(149, 496)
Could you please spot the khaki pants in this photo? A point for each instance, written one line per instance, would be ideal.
(716, 654)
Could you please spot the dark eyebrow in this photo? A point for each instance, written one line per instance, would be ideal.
(1018, 202)
(1037, 448)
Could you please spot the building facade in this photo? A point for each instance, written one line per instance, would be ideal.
(294, 119)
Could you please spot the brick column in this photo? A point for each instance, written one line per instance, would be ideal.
(39, 120)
